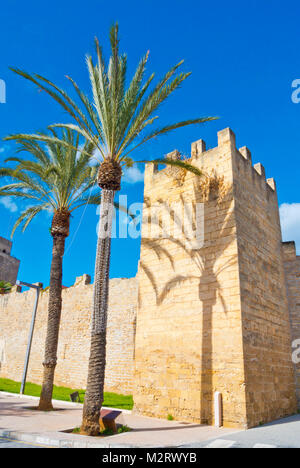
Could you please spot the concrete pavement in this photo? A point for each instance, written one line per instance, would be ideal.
(19, 421)
(284, 433)
(21, 426)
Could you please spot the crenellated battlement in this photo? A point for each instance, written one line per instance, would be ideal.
(211, 316)
(74, 339)
(81, 282)
(215, 159)
(9, 266)
(246, 153)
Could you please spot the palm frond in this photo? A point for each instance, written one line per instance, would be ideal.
(174, 163)
(27, 216)
(57, 176)
(116, 118)
(165, 130)
(48, 138)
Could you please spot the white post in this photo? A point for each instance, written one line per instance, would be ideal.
(218, 409)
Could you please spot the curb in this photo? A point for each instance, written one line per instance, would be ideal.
(52, 442)
(55, 439)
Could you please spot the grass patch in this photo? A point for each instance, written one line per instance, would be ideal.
(124, 429)
(114, 400)
(106, 432)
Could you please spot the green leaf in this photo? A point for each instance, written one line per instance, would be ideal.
(116, 118)
(174, 163)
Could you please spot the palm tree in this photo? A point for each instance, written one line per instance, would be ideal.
(117, 121)
(58, 179)
(5, 287)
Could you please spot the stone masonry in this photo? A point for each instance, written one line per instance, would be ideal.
(9, 266)
(74, 340)
(292, 270)
(214, 318)
(221, 313)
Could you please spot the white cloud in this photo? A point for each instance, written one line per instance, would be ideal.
(132, 175)
(290, 222)
(2, 150)
(97, 156)
(9, 204)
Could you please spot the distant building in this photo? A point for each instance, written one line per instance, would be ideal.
(9, 266)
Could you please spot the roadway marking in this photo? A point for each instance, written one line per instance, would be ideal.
(24, 442)
(221, 443)
(264, 446)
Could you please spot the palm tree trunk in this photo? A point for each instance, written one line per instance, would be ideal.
(96, 372)
(54, 314)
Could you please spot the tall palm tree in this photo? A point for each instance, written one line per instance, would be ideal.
(118, 120)
(57, 179)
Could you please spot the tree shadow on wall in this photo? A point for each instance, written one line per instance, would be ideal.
(207, 277)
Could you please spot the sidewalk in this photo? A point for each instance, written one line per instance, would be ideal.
(18, 421)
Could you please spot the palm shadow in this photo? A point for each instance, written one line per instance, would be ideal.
(208, 271)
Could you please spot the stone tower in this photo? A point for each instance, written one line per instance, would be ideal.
(292, 275)
(214, 316)
(9, 266)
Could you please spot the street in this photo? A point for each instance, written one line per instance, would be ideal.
(9, 443)
(49, 429)
(284, 433)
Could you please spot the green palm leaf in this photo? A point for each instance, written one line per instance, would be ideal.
(115, 119)
(174, 163)
(57, 177)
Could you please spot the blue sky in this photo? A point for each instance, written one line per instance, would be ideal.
(243, 56)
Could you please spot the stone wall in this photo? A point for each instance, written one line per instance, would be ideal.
(189, 331)
(292, 271)
(9, 266)
(215, 313)
(214, 318)
(73, 352)
(269, 374)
